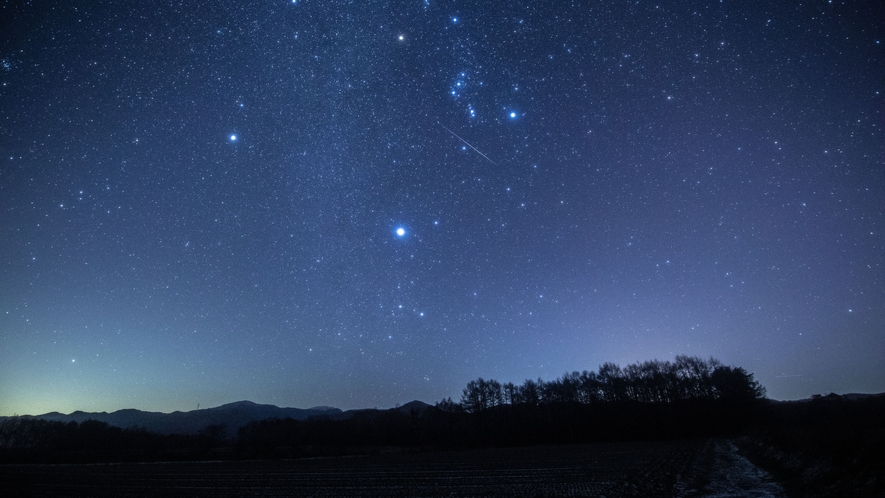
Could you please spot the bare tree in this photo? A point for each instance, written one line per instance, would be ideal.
(530, 392)
(481, 394)
(611, 382)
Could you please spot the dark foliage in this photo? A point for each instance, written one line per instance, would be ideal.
(688, 378)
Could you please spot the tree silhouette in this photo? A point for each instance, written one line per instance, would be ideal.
(530, 392)
(611, 382)
(481, 394)
(651, 382)
(735, 384)
(447, 405)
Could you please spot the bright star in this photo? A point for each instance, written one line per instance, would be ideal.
(400, 232)
(512, 115)
(233, 138)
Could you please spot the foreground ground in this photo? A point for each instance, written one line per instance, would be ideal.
(679, 468)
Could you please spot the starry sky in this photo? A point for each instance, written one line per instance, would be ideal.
(359, 204)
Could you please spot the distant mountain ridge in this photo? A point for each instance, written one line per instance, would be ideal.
(231, 415)
(833, 396)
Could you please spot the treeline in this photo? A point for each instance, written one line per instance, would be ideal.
(686, 378)
(689, 397)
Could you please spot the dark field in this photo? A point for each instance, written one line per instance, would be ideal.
(617, 469)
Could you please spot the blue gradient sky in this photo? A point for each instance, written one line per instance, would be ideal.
(201, 203)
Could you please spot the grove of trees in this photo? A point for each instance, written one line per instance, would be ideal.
(686, 378)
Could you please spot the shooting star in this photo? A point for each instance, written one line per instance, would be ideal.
(468, 143)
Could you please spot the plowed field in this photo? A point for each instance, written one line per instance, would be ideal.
(618, 469)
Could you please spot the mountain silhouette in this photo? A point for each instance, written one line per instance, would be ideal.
(231, 415)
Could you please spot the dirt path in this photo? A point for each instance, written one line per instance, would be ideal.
(720, 472)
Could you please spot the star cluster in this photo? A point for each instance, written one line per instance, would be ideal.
(325, 203)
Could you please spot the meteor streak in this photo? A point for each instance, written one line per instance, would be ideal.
(468, 143)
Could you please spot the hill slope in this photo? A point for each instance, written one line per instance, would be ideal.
(231, 415)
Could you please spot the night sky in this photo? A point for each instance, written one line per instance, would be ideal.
(358, 204)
